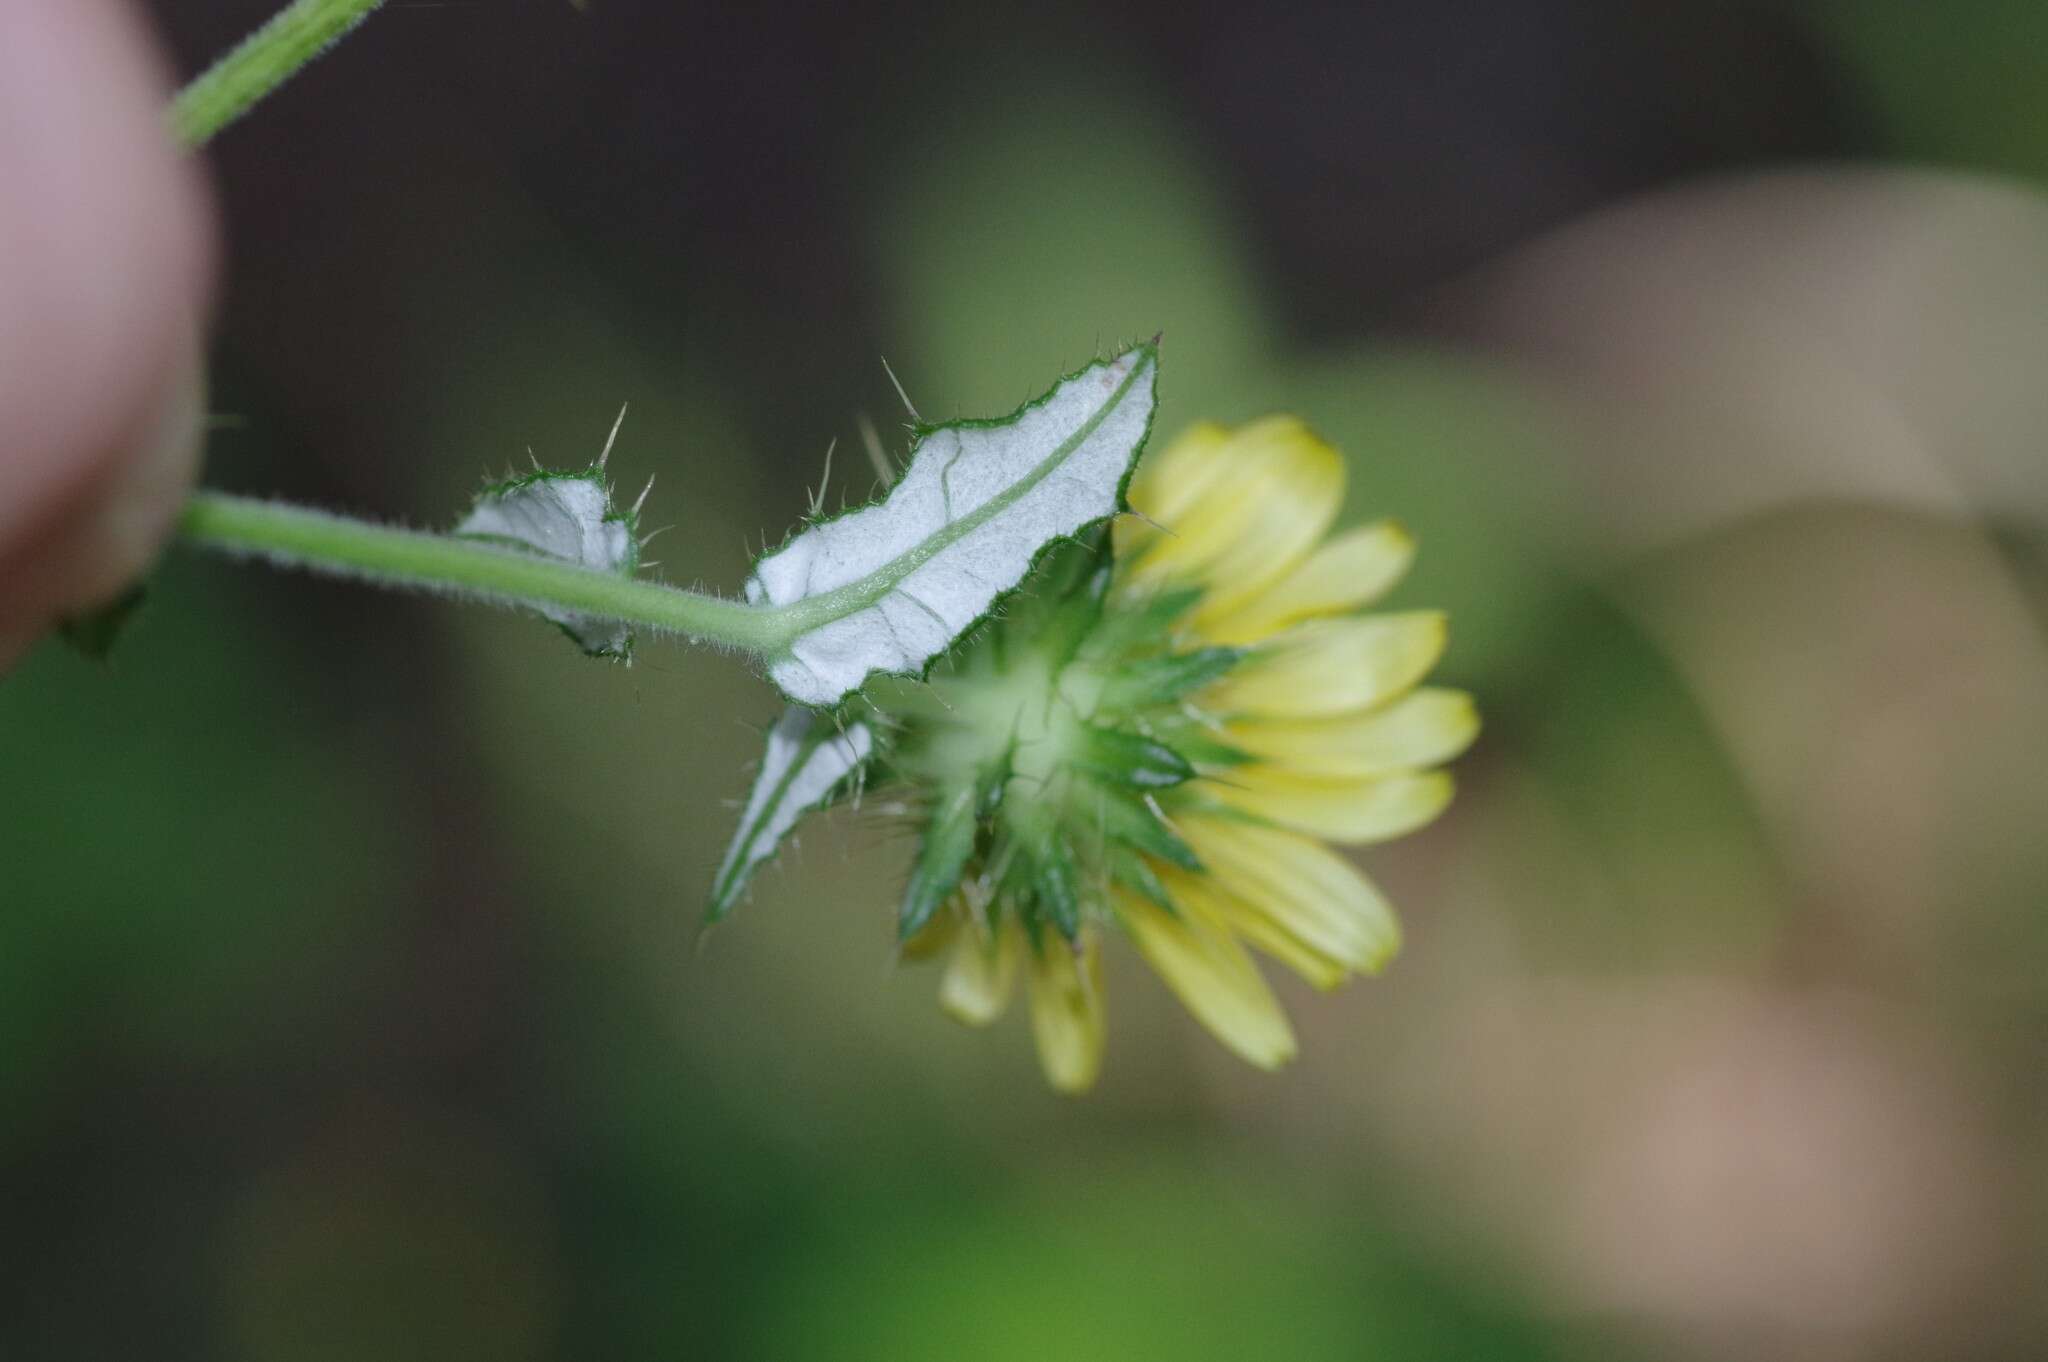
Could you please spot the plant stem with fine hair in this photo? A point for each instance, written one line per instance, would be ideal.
(264, 60)
(298, 536)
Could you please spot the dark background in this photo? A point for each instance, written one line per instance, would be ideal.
(351, 1000)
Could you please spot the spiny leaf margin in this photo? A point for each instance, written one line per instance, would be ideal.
(534, 512)
(809, 761)
(853, 636)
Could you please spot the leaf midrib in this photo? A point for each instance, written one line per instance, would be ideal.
(813, 612)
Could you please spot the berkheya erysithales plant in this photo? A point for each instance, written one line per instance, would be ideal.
(1142, 705)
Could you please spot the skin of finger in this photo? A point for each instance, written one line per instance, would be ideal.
(106, 263)
(88, 553)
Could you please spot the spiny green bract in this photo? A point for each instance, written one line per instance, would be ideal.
(1049, 753)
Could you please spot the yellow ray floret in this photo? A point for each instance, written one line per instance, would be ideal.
(1213, 977)
(1333, 666)
(981, 973)
(1348, 811)
(1066, 1010)
(1302, 887)
(1425, 727)
(1239, 544)
(1063, 984)
(1348, 573)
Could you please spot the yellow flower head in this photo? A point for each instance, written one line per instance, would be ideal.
(1163, 737)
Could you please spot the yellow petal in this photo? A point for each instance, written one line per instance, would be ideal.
(1301, 886)
(1332, 666)
(1422, 728)
(980, 975)
(1274, 489)
(1323, 971)
(1168, 482)
(936, 936)
(1066, 1011)
(1350, 811)
(1349, 572)
(1213, 977)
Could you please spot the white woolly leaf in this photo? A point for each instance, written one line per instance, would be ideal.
(891, 586)
(808, 762)
(568, 516)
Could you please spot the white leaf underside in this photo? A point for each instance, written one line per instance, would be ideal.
(980, 500)
(567, 516)
(807, 760)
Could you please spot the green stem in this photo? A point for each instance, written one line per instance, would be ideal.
(296, 536)
(299, 537)
(264, 60)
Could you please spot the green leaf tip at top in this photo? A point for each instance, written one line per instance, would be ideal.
(1167, 678)
(94, 632)
(1130, 759)
(889, 588)
(951, 841)
(941, 858)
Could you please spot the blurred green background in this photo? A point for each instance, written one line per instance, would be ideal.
(352, 1002)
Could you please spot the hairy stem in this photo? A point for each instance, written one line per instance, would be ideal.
(296, 536)
(263, 61)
